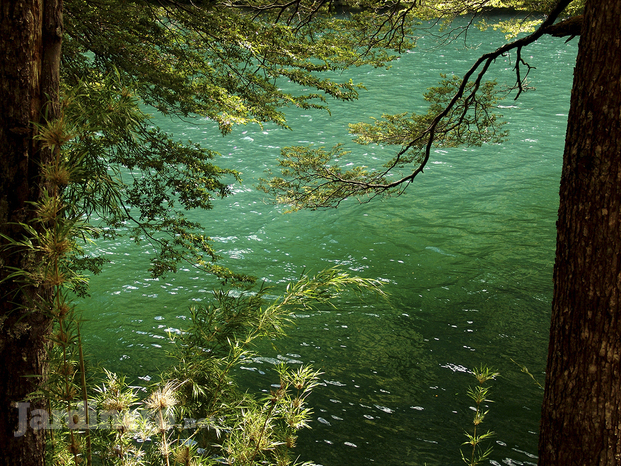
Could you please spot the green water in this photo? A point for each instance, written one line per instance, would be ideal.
(466, 254)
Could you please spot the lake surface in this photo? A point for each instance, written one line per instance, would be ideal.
(466, 254)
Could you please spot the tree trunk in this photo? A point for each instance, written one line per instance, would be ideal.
(581, 416)
(29, 78)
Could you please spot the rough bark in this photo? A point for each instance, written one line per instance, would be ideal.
(581, 416)
(29, 76)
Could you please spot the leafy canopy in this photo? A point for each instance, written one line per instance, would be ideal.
(461, 111)
(223, 62)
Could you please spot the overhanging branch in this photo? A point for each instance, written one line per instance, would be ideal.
(311, 179)
(484, 61)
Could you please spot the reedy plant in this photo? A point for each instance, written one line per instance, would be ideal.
(221, 337)
(114, 440)
(479, 395)
(152, 432)
(266, 432)
(525, 370)
(50, 239)
(161, 403)
(223, 331)
(100, 133)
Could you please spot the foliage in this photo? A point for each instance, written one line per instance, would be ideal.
(116, 426)
(461, 112)
(314, 178)
(525, 370)
(131, 176)
(254, 432)
(479, 395)
(225, 63)
(223, 60)
(447, 11)
(527, 23)
(223, 331)
(113, 169)
(196, 415)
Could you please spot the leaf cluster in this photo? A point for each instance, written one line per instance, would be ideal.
(476, 440)
(127, 175)
(461, 112)
(527, 23)
(223, 331)
(315, 178)
(196, 415)
(226, 61)
(229, 63)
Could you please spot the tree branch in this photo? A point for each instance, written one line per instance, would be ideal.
(570, 27)
(485, 61)
(312, 180)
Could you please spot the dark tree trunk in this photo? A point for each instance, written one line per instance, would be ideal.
(581, 417)
(29, 77)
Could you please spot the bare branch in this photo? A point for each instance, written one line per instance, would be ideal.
(520, 81)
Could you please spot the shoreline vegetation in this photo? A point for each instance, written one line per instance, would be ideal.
(97, 155)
